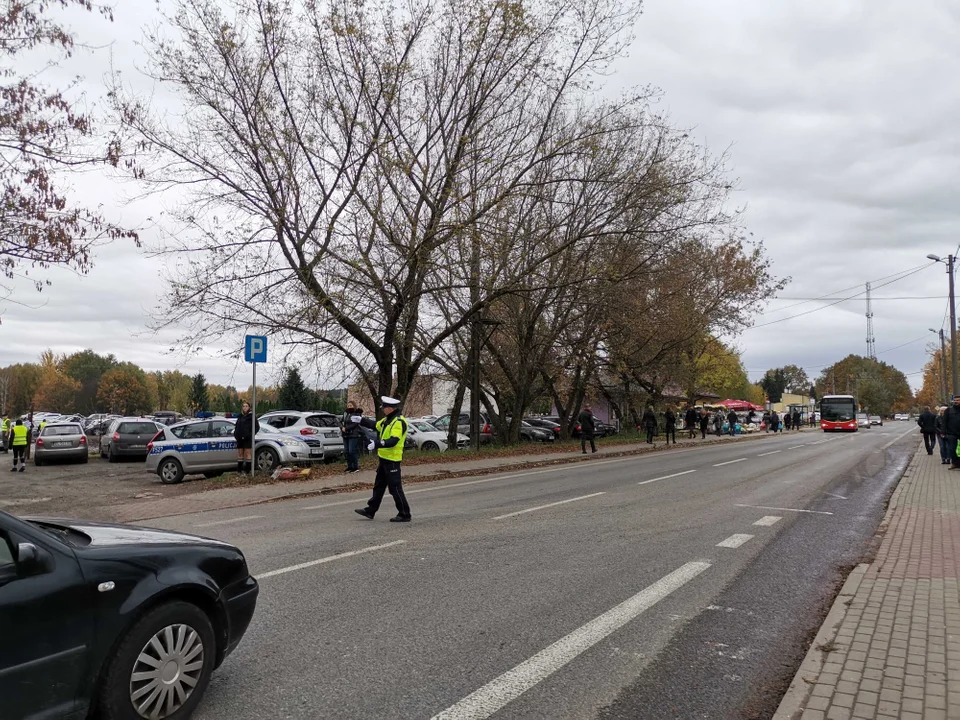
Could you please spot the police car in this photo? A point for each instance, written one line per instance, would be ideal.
(208, 447)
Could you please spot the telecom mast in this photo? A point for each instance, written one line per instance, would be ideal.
(871, 340)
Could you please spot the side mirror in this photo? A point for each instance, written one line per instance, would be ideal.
(31, 560)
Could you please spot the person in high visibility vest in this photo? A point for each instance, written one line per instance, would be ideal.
(4, 432)
(19, 440)
(43, 424)
(391, 432)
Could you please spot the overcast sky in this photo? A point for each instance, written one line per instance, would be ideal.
(842, 122)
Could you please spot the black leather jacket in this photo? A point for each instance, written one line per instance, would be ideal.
(242, 429)
(350, 422)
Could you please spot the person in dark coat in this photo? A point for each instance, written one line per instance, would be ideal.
(670, 425)
(928, 427)
(704, 423)
(649, 423)
(718, 423)
(774, 421)
(588, 429)
(732, 421)
(797, 420)
(766, 421)
(352, 435)
(942, 438)
(951, 431)
(690, 421)
(244, 433)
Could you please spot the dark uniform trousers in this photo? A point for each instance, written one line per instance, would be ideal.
(388, 478)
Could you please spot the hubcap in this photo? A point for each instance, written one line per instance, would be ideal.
(166, 672)
(265, 461)
(169, 471)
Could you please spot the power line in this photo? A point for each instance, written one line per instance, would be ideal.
(902, 297)
(907, 274)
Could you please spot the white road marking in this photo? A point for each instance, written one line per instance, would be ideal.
(838, 497)
(769, 453)
(549, 505)
(768, 520)
(729, 462)
(227, 522)
(767, 507)
(499, 692)
(898, 437)
(331, 558)
(735, 541)
(794, 447)
(666, 477)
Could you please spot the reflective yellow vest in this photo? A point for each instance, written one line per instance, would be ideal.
(5, 427)
(19, 435)
(43, 424)
(388, 427)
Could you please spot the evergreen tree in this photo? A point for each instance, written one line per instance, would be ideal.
(293, 394)
(198, 394)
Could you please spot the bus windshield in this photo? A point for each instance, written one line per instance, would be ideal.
(838, 409)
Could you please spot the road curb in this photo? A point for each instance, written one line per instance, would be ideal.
(793, 702)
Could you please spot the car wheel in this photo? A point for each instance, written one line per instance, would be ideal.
(85, 459)
(110, 456)
(267, 460)
(37, 462)
(161, 667)
(170, 472)
(430, 446)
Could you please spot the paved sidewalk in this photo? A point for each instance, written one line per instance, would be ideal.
(222, 498)
(890, 646)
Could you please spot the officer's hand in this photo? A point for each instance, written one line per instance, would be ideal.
(372, 444)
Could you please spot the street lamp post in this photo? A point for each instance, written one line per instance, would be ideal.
(953, 320)
(942, 372)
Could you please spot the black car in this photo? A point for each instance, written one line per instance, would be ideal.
(115, 621)
(545, 424)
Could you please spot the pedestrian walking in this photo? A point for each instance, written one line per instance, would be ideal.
(774, 421)
(588, 429)
(352, 435)
(391, 432)
(649, 423)
(718, 423)
(732, 420)
(690, 421)
(765, 420)
(788, 420)
(797, 420)
(670, 425)
(942, 438)
(243, 433)
(928, 427)
(704, 423)
(19, 440)
(951, 431)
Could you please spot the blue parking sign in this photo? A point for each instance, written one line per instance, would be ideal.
(255, 349)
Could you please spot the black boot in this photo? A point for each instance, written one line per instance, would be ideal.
(365, 512)
(240, 466)
(398, 518)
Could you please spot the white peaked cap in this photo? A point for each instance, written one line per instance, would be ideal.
(389, 401)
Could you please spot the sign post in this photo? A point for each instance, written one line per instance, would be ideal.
(255, 350)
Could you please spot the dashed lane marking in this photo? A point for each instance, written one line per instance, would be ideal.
(794, 447)
(331, 558)
(548, 505)
(666, 477)
(729, 462)
(228, 522)
(735, 541)
(783, 509)
(769, 453)
(499, 692)
(768, 520)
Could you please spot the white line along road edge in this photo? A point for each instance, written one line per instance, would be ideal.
(512, 684)
(227, 522)
(321, 561)
(550, 505)
(666, 477)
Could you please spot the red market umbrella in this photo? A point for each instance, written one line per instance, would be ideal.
(740, 405)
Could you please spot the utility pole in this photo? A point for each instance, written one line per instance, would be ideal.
(953, 327)
(943, 367)
(871, 340)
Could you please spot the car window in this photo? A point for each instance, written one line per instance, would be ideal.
(442, 422)
(6, 554)
(51, 430)
(423, 427)
(137, 428)
(221, 428)
(192, 431)
(280, 421)
(323, 421)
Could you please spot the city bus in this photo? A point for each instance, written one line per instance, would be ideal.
(838, 413)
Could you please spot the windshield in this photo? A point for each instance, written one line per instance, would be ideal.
(424, 427)
(137, 428)
(61, 430)
(840, 410)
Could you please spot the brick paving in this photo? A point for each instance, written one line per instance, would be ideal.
(890, 647)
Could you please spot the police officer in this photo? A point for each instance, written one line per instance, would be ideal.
(391, 432)
(19, 441)
(4, 431)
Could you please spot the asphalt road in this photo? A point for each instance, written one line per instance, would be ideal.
(683, 585)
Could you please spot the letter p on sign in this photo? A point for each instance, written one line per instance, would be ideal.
(255, 349)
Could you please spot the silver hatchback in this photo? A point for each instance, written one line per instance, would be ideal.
(61, 441)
